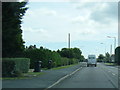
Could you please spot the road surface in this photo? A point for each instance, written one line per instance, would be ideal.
(92, 77)
(101, 76)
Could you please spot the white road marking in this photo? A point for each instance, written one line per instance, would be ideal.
(62, 78)
(111, 67)
(113, 74)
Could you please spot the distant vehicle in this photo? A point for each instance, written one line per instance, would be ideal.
(91, 60)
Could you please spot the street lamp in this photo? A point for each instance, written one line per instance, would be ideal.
(114, 41)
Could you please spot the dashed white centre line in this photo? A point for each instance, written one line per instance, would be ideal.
(113, 74)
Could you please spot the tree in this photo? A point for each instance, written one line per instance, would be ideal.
(66, 52)
(12, 42)
(77, 53)
(107, 57)
(82, 58)
(101, 58)
(71, 53)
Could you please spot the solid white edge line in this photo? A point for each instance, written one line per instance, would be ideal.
(62, 79)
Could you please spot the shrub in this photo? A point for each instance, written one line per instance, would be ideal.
(56, 58)
(117, 55)
(65, 61)
(35, 55)
(8, 67)
(21, 64)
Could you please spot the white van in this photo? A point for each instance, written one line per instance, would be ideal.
(91, 60)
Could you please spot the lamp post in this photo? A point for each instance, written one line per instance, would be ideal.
(114, 41)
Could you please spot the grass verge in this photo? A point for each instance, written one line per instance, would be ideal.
(62, 67)
(28, 75)
(110, 64)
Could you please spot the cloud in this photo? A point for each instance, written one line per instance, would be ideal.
(78, 19)
(45, 11)
(73, 0)
(105, 13)
(84, 23)
(101, 12)
(35, 34)
(34, 30)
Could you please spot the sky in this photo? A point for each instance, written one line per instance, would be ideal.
(47, 24)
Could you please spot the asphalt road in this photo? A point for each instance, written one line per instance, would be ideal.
(78, 76)
(101, 76)
(43, 81)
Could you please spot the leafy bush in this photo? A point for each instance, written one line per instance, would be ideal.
(38, 55)
(71, 53)
(65, 61)
(8, 67)
(117, 55)
(56, 59)
(21, 64)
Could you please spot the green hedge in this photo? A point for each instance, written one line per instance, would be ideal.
(117, 55)
(44, 55)
(56, 58)
(21, 64)
(38, 55)
(68, 61)
(7, 68)
(65, 61)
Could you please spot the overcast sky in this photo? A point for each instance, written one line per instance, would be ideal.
(47, 24)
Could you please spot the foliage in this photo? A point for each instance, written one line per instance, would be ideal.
(82, 58)
(56, 59)
(7, 68)
(117, 55)
(107, 57)
(12, 42)
(36, 54)
(21, 65)
(44, 55)
(71, 53)
(101, 57)
(65, 61)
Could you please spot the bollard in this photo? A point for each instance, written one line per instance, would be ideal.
(38, 66)
(49, 64)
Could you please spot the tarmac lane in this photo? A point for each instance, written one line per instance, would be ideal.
(91, 77)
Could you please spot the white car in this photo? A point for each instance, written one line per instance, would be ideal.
(91, 60)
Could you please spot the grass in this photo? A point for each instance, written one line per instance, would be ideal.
(62, 67)
(13, 78)
(111, 64)
(28, 75)
(33, 73)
